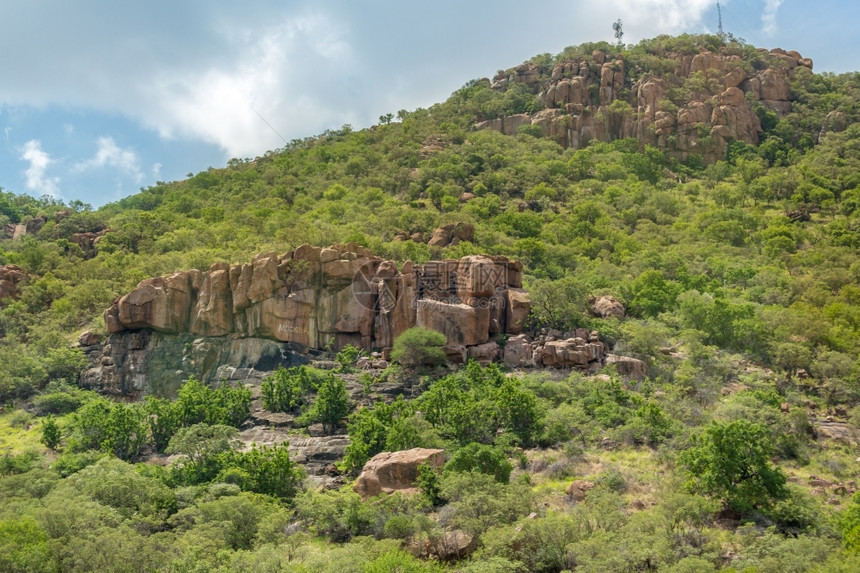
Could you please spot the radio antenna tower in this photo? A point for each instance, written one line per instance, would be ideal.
(720, 32)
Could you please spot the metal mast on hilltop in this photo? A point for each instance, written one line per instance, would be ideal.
(720, 23)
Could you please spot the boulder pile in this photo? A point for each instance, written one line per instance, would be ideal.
(577, 97)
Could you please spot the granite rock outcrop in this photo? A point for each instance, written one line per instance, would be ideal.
(10, 277)
(387, 472)
(233, 321)
(591, 98)
(330, 297)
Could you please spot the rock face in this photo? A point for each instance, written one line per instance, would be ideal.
(133, 364)
(195, 322)
(339, 295)
(606, 306)
(10, 277)
(388, 472)
(579, 349)
(576, 97)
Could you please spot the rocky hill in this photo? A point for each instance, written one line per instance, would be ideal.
(691, 104)
(691, 204)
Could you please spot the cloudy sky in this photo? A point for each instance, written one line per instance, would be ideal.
(99, 98)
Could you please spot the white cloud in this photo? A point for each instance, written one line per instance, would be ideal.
(665, 15)
(278, 72)
(111, 155)
(648, 18)
(768, 17)
(37, 179)
(156, 171)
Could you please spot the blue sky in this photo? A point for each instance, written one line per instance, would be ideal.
(100, 98)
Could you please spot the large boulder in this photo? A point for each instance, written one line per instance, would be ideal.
(160, 303)
(518, 352)
(447, 546)
(517, 308)
(452, 234)
(462, 324)
(606, 306)
(572, 353)
(579, 488)
(628, 367)
(10, 277)
(388, 472)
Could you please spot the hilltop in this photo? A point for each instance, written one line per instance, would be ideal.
(705, 190)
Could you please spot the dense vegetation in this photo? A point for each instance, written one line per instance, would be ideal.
(741, 281)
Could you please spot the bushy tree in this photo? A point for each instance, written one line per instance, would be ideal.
(266, 469)
(732, 462)
(481, 458)
(331, 405)
(419, 346)
(287, 388)
(201, 445)
(51, 434)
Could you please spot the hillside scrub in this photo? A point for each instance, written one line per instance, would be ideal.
(741, 285)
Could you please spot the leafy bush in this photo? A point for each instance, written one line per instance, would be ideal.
(347, 357)
(51, 434)
(481, 458)
(419, 346)
(267, 470)
(331, 404)
(287, 389)
(732, 462)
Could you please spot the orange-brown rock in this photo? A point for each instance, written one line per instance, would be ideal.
(161, 303)
(451, 234)
(606, 306)
(579, 488)
(518, 352)
(388, 472)
(577, 97)
(517, 308)
(628, 367)
(10, 277)
(572, 352)
(462, 324)
(484, 353)
(336, 295)
(449, 546)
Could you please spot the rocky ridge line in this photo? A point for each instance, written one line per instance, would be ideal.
(578, 96)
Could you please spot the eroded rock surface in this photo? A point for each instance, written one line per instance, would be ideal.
(387, 472)
(10, 277)
(578, 94)
(321, 297)
(233, 321)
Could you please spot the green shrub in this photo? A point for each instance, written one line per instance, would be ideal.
(51, 434)
(419, 346)
(732, 462)
(481, 458)
(331, 405)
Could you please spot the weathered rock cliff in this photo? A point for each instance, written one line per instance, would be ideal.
(330, 297)
(278, 308)
(10, 278)
(593, 99)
